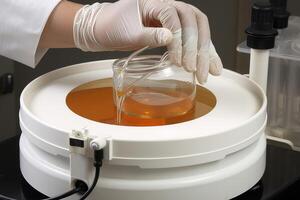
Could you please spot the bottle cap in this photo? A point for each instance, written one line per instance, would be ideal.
(261, 34)
(281, 15)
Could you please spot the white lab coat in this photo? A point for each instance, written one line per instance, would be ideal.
(21, 26)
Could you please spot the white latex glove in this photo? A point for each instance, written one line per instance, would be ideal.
(133, 24)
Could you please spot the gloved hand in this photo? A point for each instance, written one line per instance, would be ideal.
(134, 24)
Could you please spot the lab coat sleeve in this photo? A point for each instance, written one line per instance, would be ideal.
(21, 26)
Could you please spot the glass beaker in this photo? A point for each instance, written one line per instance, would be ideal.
(150, 90)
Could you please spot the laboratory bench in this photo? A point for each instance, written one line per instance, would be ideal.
(281, 179)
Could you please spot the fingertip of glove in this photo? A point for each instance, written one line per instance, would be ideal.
(201, 80)
(188, 69)
(216, 66)
(189, 63)
(201, 77)
(202, 68)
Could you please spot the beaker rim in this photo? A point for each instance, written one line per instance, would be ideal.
(141, 64)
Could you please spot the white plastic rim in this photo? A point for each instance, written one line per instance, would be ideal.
(220, 180)
(238, 120)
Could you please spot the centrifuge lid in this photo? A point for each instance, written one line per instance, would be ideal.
(237, 120)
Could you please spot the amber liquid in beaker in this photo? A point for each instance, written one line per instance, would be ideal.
(95, 101)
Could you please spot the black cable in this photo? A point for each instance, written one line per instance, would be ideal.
(80, 186)
(2, 197)
(67, 194)
(98, 157)
(85, 195)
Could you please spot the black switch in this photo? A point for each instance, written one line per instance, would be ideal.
(6, 83)
(76, 143)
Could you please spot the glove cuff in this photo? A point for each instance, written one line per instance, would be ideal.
(83, 28)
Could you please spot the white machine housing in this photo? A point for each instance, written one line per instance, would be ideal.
(217, 156)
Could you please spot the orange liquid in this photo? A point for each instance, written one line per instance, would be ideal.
(94, 101)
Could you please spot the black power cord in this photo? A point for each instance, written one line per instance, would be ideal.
(80, 186)
(5, 198)
(98, 157)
